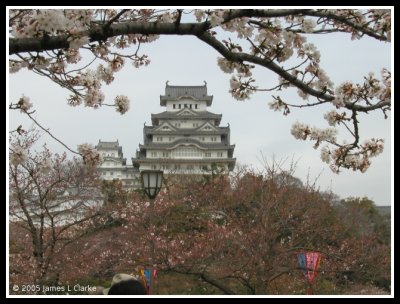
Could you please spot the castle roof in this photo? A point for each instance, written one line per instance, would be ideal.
(179, 92)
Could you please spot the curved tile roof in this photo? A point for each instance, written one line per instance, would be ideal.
(193, 92)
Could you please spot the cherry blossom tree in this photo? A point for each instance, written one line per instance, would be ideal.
(238, 235)
(80, 50)
(53, 203)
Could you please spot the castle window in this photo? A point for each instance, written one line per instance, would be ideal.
(207, 154)
(219, 154)
(174, 106)
(180, 106)
(185, 152)
(186, 105)
(190, 105)
(195, 106)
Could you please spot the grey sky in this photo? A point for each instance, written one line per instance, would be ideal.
(255, 129)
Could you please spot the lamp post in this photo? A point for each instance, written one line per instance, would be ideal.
(151, 184)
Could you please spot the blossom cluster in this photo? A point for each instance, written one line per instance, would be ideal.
(90, 155)
(19, 155)
(24, 104)
(349, 92)
(359, 159)
(122, 104)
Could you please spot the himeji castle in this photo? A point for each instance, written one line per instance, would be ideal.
(186, 138)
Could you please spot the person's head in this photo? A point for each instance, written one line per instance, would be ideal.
(125, 284)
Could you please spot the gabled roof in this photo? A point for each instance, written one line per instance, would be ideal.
(193, 92)
(207, 127)
(187, 112)
(107, 145)
(162, 127)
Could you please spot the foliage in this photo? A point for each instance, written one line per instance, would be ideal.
(242, 242)
(53, 203)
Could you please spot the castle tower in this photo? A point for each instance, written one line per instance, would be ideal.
(114, 164)
(186, 138)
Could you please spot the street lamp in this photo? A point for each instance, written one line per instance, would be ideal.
(151, 182)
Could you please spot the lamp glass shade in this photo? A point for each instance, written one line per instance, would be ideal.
(151, 181)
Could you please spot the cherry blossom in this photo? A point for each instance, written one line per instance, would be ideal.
(24, 104)
(122, 103)
(19, 155)
(91, 156)
(246, 39)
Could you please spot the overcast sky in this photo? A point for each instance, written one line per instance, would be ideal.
(255, 129)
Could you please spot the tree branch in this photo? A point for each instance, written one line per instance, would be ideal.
(345, 20)
(52, 136)
(267, 63)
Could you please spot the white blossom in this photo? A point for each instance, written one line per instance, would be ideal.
(226, 65)
(14, 66)
(24, 104)
(91, 156)
(216, 18)
(46, 166)
(302, 94)
(288, 36)
(311, 51)
(122, 103)
(332, 117)
(300, 130)
(276, 105)
(234, 83)
(117, 63)
(373, 146)
(72, 56)
(93, 98)
(308, 25)
(40, 62)
(140, 61)
(199, 14)
(76, 42)
(325, 154)
(105, 74)
(19, 155)
(328, 134)
(338, 102)
(167, 18)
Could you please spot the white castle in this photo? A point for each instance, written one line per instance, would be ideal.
(184, 139)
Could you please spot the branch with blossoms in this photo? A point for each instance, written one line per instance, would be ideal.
(274, 39)
(90, 155)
